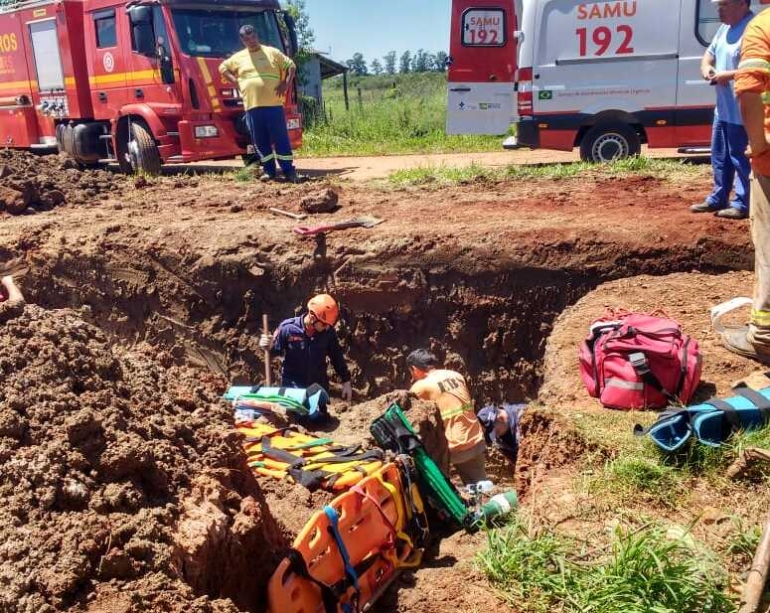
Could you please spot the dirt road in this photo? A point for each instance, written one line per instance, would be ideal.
(368, 168)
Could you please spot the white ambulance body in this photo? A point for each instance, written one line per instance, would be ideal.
(607, 76)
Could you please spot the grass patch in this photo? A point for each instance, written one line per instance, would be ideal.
(652, 570)
(393, 114)
(474, 173)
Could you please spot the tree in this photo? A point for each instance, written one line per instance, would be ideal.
(357, 65)
(305, 35)
(439, 61)
(390, 62)
(376, 66)
(405, 65)
(421, 60)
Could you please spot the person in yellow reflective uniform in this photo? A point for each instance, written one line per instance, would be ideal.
(263, 75)
(752, 86)
(447, 388)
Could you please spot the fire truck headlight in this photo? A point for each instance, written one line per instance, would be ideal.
(293, 124)
(206, 132)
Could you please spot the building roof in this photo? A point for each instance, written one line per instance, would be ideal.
(329, 68)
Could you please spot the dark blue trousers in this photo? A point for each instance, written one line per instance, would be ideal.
(268, 130)
(728, 160)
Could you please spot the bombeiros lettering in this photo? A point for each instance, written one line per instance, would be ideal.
(8, 43)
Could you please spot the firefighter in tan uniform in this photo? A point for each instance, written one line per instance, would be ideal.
(752, 86)
(448, 390)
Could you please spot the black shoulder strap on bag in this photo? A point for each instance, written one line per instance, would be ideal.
(730, 414)
(758, 400)
(639, 362)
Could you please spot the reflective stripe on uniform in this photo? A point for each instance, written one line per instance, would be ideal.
(285, 158)
(450, 413)
(267, 158)
(756, 64)
(760, 318)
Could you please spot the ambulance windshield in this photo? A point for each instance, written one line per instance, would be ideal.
(214, 33)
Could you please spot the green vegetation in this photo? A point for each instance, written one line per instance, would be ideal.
(473, 173)
(393, 114)
(649, 569)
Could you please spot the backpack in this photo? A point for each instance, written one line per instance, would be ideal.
(639, 361)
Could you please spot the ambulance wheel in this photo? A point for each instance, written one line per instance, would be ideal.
(609, 142)
(143, 154)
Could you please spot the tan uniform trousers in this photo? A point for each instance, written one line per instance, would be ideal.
(759, 324)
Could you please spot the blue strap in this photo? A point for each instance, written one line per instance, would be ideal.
(350, 571)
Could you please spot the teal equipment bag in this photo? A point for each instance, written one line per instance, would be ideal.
(712, 422)
(393, 432)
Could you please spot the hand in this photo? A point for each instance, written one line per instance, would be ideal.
(722, 78)
(708, 73)
(347, 391)
(280, 89)
(264, 341)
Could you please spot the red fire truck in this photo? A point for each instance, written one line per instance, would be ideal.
(136, 83)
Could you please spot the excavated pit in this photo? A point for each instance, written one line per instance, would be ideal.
(158, 317)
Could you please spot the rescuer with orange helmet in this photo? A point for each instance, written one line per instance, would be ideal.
(305, 343)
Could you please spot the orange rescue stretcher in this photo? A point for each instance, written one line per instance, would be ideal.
(348, 553)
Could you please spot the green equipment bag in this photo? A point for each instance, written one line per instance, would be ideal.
(393, 432)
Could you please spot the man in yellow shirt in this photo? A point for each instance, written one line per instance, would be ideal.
(463, 431)
(263, 75)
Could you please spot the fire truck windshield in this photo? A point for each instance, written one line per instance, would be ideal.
(214, 33)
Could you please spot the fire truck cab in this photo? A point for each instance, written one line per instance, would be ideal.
(135, 83)
(602, 75)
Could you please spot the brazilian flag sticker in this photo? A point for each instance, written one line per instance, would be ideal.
(545, 95)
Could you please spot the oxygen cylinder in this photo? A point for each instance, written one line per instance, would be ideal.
(499, 506)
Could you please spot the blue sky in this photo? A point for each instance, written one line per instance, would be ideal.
(375, 27)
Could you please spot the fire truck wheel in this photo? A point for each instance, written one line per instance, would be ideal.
(142, 151)
(608, 142)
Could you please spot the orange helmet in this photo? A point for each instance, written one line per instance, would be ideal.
(324, 308)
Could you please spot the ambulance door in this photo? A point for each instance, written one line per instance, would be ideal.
(482, 67)
(603, 64)
(105, 41)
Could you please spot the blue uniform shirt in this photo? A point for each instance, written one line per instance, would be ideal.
(726, 49)
(304, 361)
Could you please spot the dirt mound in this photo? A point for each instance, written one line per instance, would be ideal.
(44, 182)
(123, 486)
(687, 297)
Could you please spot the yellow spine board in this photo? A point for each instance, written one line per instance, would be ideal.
(342, 476)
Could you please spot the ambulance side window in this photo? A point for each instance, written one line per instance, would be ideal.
(706, 22)
(104, 25)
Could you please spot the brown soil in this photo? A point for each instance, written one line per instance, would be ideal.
(126, 489)
(27, 180)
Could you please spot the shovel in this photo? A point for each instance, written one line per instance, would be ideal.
(359, 222)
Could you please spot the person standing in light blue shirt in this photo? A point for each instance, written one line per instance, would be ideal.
(728, 139)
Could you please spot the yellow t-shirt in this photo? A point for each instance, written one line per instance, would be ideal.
(258, 75)
(449, 391)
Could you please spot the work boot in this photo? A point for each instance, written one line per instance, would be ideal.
(705, 207)
(732, 213)
(293, 177)
(266, 177)
(737, 341)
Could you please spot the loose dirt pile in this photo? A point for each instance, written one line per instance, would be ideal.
(45, 182)
(123, 485)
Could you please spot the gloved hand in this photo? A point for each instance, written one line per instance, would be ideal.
(347, 391)
(264, 341)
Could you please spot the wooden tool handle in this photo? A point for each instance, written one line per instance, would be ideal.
(755, 583)
(266, 330)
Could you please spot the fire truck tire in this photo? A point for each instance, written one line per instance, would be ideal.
(142, 151)
(609, 141)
